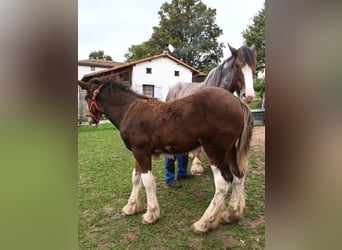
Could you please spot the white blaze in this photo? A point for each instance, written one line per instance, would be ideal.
(248, 75)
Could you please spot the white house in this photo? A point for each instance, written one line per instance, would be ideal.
(152, 76)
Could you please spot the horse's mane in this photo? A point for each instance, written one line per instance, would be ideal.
(215, 75)
(114, 84)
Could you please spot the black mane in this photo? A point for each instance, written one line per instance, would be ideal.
(114, 84)
(246, 54)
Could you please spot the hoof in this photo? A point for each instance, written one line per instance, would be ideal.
(196, 168)
(149, 218)
(230, 216)
(129, 209)
(198, 228)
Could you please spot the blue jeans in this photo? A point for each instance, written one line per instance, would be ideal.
(169, 164)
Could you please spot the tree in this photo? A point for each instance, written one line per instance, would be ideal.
(146, 49)
(255, 33)
(100, 55)
(191, 29)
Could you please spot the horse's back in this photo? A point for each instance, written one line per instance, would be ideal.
(215, 104)
(173, 92)
(216, 97)
(182, 89)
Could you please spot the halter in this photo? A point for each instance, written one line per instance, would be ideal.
(93, 103)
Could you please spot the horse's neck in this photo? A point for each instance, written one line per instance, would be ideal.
(116, 106)
(221, 77)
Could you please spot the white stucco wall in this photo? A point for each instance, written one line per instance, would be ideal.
(82, 105)
(162, 77)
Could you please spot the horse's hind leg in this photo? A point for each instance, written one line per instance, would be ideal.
(210, 218)
(196, 167)
(133, 204)
(237, 200)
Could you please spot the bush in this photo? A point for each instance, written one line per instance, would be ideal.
(256, 104)
(259, 86)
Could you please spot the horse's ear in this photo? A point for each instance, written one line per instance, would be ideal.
(83, 85)
(253, 47)
(232, 50)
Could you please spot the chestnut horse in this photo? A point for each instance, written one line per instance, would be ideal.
(212, 118)
(234, 74)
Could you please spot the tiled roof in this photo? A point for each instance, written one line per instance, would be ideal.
(164, 54)
(100, 63)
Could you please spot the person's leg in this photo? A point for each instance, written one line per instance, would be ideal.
(182, 160)
(169, 165)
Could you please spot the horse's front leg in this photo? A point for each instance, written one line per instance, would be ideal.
(133, 204)
(210, 219)
(153, 211)
(144, 163)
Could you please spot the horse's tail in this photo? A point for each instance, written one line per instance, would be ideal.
(244, 141)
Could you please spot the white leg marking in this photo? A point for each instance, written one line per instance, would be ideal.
(237, 201)
(238, 193)
(248, 75)
(210, 217)
(196, 167)
(153, 210)
(133, 204)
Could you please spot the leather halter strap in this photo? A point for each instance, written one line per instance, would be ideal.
(94, 104)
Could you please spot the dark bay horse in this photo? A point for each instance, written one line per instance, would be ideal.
(212, 118)
(234, 74)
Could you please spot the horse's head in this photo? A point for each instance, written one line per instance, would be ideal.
(243, 67)
(94, 110)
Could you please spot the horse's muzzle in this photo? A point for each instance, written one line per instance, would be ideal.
(246, 98)
(92, 122)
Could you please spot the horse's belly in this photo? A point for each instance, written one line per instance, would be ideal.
(179, 148)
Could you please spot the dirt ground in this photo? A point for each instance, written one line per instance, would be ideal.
(258, 138)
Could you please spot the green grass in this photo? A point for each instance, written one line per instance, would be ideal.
(105, 168)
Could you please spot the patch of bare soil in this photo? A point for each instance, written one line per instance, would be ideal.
(257, 151)
(258, 138)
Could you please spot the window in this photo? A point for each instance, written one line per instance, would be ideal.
(148, 90)
(92, 68)
(148, 70)
(176, 73)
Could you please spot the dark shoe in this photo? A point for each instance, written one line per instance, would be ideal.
(185, 177)
(174, 184)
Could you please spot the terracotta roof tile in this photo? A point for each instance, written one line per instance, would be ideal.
(100, 63)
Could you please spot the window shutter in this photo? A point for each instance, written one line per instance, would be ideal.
(158, 93)
(139, 88)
